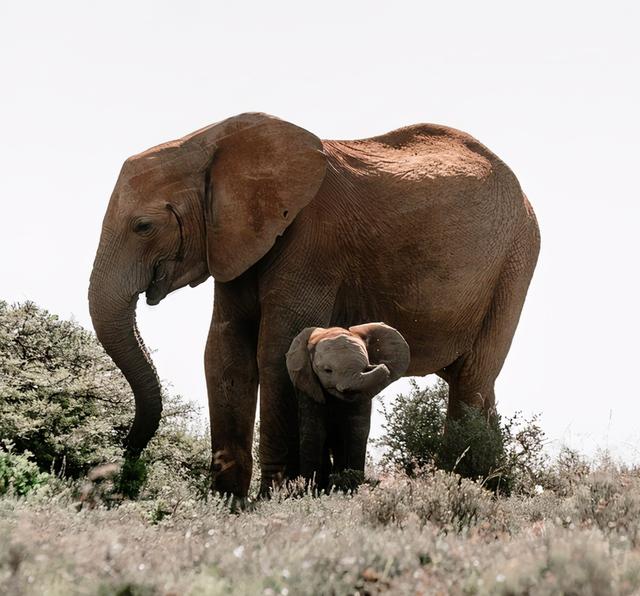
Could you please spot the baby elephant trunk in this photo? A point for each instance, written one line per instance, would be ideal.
(368, 383)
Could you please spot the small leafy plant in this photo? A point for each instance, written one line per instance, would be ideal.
(19, 474)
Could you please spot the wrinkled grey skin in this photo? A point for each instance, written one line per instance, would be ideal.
(343, 368)
(336, 373)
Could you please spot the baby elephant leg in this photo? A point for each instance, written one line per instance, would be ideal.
(350, 424)
(314, 456)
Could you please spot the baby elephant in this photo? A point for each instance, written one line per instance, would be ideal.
(336, 373)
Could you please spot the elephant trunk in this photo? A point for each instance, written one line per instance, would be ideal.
(114, 320)
(368, 383)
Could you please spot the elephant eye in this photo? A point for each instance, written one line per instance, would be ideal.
(328, 370)
(142, 227)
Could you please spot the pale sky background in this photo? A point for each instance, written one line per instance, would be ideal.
(553, 88)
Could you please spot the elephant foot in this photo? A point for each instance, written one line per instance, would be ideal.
(346, 481)
(231, 473)
(240, 504)
(272, 478)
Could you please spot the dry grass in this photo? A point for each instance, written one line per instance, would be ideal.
(432, 535)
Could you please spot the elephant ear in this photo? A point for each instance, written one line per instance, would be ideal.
(263, 172)
(385, 346)
(299, 366)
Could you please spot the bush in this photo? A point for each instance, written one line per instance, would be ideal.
(568, 471)
(413, 428)
(526, 463)
(506, 454)
(474, 446)
(19, 475)
(63, 400)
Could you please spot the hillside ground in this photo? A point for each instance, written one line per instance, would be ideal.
(436, 534)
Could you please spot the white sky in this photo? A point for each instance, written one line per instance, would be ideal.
(553, 88)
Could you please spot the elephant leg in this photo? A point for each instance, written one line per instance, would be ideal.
(471, 377)
(470, 384)
(232, 385)
(279, 430)
(279, 437)
(314, 439)
(353, 422)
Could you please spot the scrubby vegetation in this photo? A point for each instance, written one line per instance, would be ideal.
(65, 404)
(19, 475)
(518, 523)
(433, 534)
(506, 455)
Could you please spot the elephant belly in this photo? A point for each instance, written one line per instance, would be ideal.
(433, 279)
(437, 319)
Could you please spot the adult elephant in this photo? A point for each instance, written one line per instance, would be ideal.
(423, 228)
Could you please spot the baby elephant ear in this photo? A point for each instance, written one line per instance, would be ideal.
(385, 346)
(299, 366)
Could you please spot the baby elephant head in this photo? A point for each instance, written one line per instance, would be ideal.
(352, 364)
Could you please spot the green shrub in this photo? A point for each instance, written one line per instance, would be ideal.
(60, 395)
(63, 400)
(18, 473)
(507, 454)
(413, 427)
(474, 446)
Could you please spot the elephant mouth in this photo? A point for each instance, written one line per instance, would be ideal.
(166, 278)
(160, 284)
(348, 395)
(164, 271)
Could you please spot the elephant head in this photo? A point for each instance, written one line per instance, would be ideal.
(211, 203)
(351, 364)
